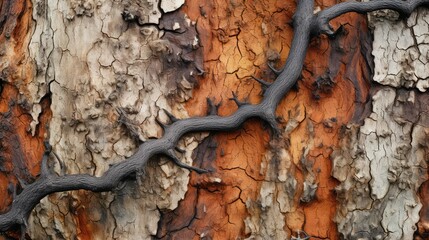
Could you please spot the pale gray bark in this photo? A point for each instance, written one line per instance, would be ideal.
(383, 163)
(93, 62)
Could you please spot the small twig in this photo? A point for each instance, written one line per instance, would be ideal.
(126, 122)
(21, 183)
(170, 115)
(23, 226)
(300, 235)
(262, 82)
(161, 124)
(180, 150)
(235, 99)
(44, 168)
(176, 161)
(212, 109)
(275, 71)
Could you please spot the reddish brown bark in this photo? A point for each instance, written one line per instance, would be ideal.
(86, 215)
(20, 152)
(423, 225)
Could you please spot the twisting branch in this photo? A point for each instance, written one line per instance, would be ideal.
(262, 82)
(306, 25)
(321, 20)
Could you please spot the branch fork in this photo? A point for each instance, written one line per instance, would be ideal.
(236, 100)
(172, 155)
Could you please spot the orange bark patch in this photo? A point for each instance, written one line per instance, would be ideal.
(5, 200)
(232, 49)
(239, 39)
(86, 216)
(82, 219)
(214, 205)
(334, 108)
(20, 152)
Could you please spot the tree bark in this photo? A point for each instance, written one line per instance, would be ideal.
(95, 79)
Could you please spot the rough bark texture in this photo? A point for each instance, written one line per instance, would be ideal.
(111, 66)
(382, 164)
(20, 148)
(92, 77)
(107, 75)
(263, 193)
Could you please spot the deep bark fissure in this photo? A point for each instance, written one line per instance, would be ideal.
(306, 25)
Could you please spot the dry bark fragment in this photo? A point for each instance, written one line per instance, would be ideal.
(383, 167)
(125, 64)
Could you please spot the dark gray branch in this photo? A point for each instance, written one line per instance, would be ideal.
(321, 20)
(305, 23)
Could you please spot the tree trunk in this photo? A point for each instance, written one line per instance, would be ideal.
(97, 78)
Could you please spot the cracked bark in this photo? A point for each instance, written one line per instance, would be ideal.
(96, 97)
